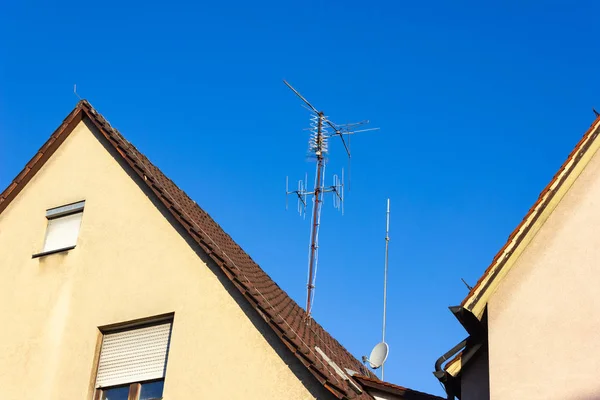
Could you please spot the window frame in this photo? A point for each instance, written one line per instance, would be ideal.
(60, 212)
(135, 388)
(134, 392)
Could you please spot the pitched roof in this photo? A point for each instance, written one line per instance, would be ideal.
(404, 393)
(282, 314)
(549, 197)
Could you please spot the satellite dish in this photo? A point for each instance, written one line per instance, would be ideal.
(379, 355)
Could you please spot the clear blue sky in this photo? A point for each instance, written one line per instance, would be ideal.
(478, 106)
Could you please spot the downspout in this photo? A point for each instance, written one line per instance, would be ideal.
(477, 335)
(448, 355)
(443, 376)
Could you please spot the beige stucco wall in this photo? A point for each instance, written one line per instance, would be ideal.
(475, 381)
(544, 319)
(129, 263)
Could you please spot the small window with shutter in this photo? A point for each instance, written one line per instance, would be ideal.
(132, 363)
(62, 229)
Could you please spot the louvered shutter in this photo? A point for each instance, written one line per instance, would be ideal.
(133, 356)
(62, 232)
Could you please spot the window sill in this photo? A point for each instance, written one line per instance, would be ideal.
(47, 253)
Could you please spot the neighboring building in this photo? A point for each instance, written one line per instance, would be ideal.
(116, 285)
(386, 391)
(534, 316)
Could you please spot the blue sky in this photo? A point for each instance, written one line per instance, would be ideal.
(478, 106)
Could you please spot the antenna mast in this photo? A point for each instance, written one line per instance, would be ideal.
(318, 143)
(381, 350)
(318, 146)
(385, 272)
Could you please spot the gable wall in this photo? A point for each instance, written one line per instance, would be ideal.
(129, 263)
(544, 319)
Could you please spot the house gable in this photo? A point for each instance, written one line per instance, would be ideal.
(543, 318)
(518, 240)
(476, 301)
(130, 262)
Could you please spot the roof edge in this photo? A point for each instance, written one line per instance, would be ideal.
(537, 215)
(41, 156)
(386, 387)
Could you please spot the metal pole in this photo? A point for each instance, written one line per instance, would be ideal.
(385, 272)
(316, 211)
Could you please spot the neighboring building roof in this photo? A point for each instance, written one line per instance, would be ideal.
(283, 315)
(477, 298)
(398, 391)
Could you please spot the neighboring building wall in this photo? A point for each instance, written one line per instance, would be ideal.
(544, 319)
(475, 381)
(129, 263)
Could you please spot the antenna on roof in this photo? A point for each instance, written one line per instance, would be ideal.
(75, 92)
(321, 129)
(466, 284)
(381, 350)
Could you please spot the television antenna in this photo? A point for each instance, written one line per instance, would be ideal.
(75, 92)
(321, 130)
(380, 351)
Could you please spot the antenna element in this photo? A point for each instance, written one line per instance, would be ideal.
(75, 92)
(466, 284)
(317, 145)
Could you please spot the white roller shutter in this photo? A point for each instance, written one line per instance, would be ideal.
(133, 356)
(62, 232)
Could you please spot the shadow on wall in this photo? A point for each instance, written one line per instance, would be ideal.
(592, 394)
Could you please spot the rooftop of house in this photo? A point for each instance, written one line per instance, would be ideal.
(305, 338)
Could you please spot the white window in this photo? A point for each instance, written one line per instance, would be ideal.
(63, 228)
(132, 363)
